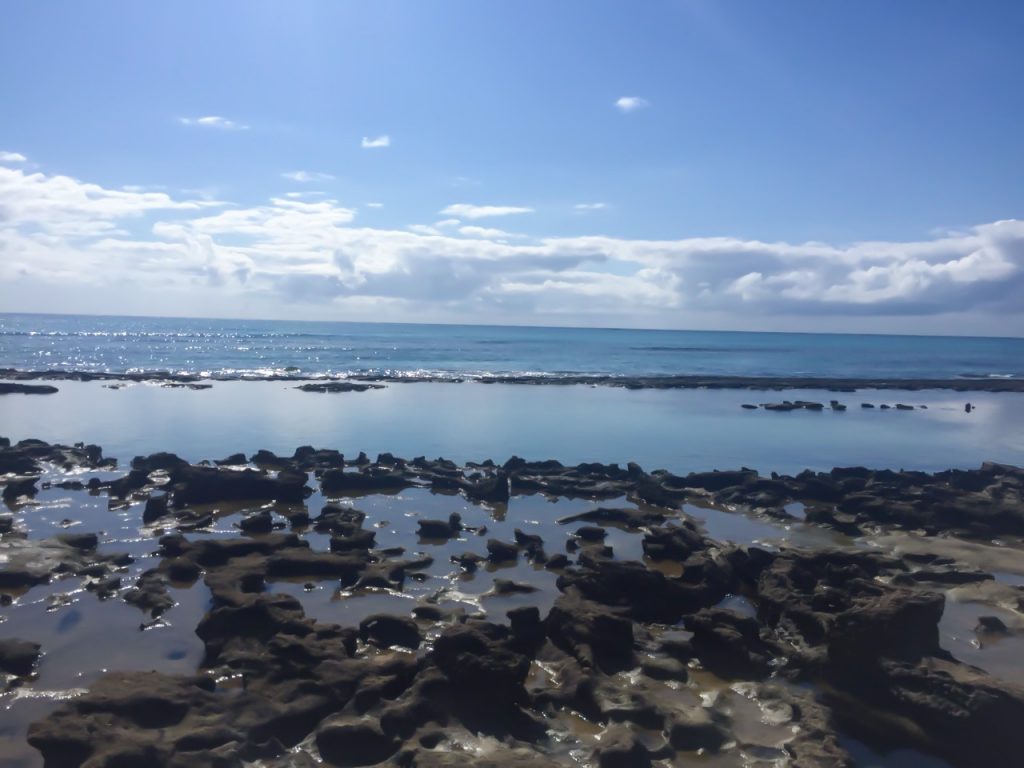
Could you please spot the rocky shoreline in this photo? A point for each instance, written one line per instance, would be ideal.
(692, 647)
(761, 383)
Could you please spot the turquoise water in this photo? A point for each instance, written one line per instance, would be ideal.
(119, 344)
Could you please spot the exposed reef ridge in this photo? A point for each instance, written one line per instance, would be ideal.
(630, 662)
(765, 383)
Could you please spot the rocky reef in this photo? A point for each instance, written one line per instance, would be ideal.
(627, 637)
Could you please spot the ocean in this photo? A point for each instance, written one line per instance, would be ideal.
(260, 348)
(680, 430)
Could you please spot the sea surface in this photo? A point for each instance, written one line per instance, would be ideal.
(260, 348)
(679, 430)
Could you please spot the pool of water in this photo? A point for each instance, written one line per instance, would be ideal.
(681, 430)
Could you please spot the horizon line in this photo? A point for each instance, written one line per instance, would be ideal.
(513, 325)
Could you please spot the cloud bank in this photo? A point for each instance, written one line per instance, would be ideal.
(61, 237)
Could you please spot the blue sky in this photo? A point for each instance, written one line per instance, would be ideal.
(684, 164)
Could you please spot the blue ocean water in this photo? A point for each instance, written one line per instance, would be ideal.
(128, 344)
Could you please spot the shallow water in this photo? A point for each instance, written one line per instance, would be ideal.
(680, 430)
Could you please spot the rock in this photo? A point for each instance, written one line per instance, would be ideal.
(354, 743)
(531, 544)
(258, 522)
(468, 561)
(441, 529)
(85, 541)
(506, 587)
(676, 542)
(16, 487)
(991, 625)
(899, 624)
(163, 461)
(501, 552)
(338, 386)
(156, 507)
(557, 562)
(592, 634)
(504, 758)
(206, 485)
(234, 460)
(591, 533)
(480, 666)
(18, 657)
(7, 388)
(729, 644)
(386, 631)
(338, 481)
(694, 728)
(665, 669)
(493, 489)
(357, 540)
(620, 748)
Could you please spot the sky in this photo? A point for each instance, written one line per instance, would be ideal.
(721, 164)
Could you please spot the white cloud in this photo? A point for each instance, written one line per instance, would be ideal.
(58, 233)
(214, 121)
(487, 233)
(304, 176)
(375, 205)
(631, 103)
(590, 206)
(467, 211)
(425, 229)
(376, 143)
(66, 206)
(12, 157)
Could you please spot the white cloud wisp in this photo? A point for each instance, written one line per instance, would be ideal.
(294, 257)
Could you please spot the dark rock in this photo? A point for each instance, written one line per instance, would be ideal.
(729, 644)
(501, 552)
(85, 541)
(16, 487)
(354, 743)
(357, 540)
(441, 529)
(258, 522)
(479, 665)
(18, 657)
(620, 748)
(385, 631)
(506, 587)
(492, 488)
(591, 533)
(7, 388)
(156, 507)
(338, 386)
(234, 460)
(694, 728)
(591, 633)
(206, 485)
(338, 481)
(991, 625)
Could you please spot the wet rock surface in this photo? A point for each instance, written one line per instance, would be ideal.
(646, 643)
